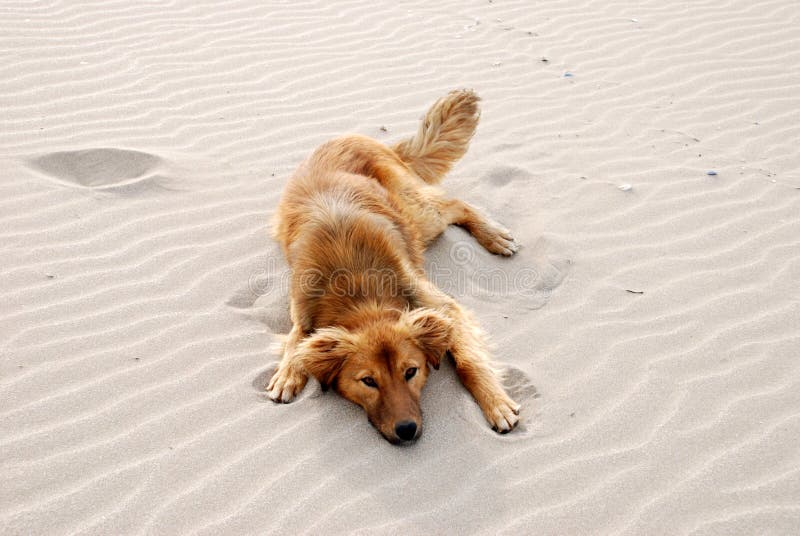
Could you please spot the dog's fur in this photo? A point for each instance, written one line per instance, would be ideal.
(354, 222)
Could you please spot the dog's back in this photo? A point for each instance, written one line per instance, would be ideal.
(348, 248)
(348, 168)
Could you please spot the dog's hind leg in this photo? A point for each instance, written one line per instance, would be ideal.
(492, 236)
(291, 377)
(442, 139)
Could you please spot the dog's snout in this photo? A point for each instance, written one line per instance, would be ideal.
(406, 430)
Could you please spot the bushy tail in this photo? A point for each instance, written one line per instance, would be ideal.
(443, 135)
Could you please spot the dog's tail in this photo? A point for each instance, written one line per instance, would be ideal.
(443, 135)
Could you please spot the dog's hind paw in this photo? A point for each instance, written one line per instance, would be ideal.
(496, 239)
(286, 384)
(503, 415)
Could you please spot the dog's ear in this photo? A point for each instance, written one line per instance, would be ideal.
(432, 332)
(323, 354)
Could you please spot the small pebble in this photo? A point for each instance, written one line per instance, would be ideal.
(567, 74)
(625, 187)
(711, 172)
(634, 20)
(384, 129)
(473, 26)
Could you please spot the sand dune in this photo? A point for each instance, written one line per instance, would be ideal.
(650, 331)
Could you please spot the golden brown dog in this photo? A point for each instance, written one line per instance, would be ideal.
(354, 222)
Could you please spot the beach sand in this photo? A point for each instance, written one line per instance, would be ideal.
(649, 323)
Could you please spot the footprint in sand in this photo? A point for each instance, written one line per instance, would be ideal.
(519, 385)
(117, 171)
(261, 381)
(265, 295)
(520, 388)
(502, 175)
(271, 308)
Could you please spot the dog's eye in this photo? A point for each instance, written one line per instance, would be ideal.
(369, 381)
(410, 373)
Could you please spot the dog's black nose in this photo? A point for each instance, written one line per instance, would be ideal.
(405, 430)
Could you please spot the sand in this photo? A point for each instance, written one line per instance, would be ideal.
(650, 330)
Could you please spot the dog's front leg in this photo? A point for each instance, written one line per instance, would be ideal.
(290, 378)
(473, 364)
(471, 356)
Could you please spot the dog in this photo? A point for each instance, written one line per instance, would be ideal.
(353, 223)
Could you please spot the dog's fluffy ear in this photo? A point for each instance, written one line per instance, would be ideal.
(432, 331)
(323, 354)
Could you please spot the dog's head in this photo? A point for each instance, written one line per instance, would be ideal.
(382, 365)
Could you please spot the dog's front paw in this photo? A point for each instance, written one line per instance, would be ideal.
(285, 384)
(502, 413)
